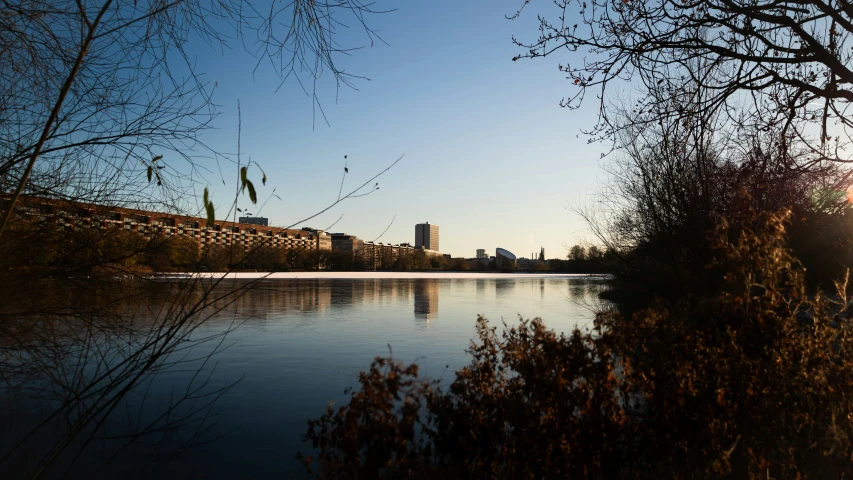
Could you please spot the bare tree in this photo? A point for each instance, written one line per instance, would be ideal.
(93, 94)
(781, 65)
(100, 102)
(669, 177)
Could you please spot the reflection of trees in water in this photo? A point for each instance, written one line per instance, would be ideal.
(169, 413)
(578, 289)
(82, 376)
(503, 285)
(138, 306)
(426, 301)
(584, 293)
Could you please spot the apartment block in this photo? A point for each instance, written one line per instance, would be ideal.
(73, 215)
(347, 243)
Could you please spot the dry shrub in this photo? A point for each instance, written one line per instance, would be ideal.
(754, 381)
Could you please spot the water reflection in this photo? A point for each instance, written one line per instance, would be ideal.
(292, 296)
(504, 284)
(426, 301)
(273, 298)
(301, 342)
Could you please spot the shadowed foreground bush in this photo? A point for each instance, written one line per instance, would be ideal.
(754, 382)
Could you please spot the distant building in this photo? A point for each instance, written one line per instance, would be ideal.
(505, 259)
(542, 254)
(384, 255)
(324, 240)
(481, 254)
(531, 264)
(262, 221)
(347, 243)
(148, 224)
(426, 236)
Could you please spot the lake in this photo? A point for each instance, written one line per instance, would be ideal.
(295, 344)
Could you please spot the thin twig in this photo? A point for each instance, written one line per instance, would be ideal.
(352, 194)
(386, 229)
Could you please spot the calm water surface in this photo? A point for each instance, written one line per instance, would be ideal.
(306, 340)
(301, 342)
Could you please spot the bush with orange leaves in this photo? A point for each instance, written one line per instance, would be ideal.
(755, 381)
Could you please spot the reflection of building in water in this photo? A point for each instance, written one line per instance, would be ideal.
(481, 286)
(371, 288)
(307, 296)
(401, 290)
(426, 300)
(319, 297)
(271, 297)
(343, 293)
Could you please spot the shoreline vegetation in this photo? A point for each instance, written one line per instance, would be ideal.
(751, 382)
(726, 211)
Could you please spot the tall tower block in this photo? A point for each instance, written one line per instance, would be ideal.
(426, 236)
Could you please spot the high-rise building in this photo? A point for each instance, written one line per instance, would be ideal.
(481, 254)
(426, 236)
(542, 253)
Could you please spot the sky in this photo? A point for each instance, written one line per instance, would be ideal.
(489, 155)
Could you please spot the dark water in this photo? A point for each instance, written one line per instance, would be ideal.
(300, 343)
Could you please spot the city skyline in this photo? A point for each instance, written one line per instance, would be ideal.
(489, 174)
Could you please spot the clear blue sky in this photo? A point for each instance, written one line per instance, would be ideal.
(490, 157)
